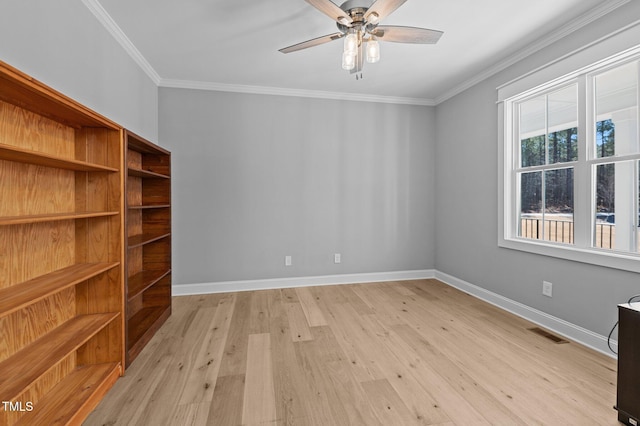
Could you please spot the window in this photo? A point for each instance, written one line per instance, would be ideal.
(571, 152)
(548, 147)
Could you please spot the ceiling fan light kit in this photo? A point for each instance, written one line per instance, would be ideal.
(358, 22)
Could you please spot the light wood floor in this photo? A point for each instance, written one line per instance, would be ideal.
(395, 353)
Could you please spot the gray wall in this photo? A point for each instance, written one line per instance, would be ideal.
(467, 205)
(63, 45)
(258, 177)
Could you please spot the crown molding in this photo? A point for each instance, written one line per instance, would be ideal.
(107, 21)
(590, 16)
(301, 93)
(581, 21)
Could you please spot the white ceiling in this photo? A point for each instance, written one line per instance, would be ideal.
(232, 44)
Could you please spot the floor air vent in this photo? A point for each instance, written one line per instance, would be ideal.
(552, 337)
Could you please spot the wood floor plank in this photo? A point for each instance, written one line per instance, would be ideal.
(387, 404)
(329, 371)
(298, 326)
(325, 405)
(259, 312)
(289, 295)
(174, 359)
(315, 317)
(235, 350)
(202, 379)
(226, 406)
(259, 403)
(290, 388)
(357, 407)
(421, 403)
(359, 349)
(375, 297)
(433, 354)
(190, 414)
(473, 392)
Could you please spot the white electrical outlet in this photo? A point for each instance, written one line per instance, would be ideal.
(547, 288)
(287, 261)
(337, 258)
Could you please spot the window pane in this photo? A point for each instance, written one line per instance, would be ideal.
(532, 132)
(605, 138)
(558, 209)
(530, 205)
(563, 146)
(562, 125)
(532, 151)
(616, 222)
(605, 206)
(616, 108)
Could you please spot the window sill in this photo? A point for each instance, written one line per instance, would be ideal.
(596, 257)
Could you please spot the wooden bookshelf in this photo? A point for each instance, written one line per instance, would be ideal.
(19, 220)
(16, 154)
(146, 174)
(67, 402)
(62, 300)
(34, 360)
(146, 238)
(143, 280)
(24, 294)
(148, 223)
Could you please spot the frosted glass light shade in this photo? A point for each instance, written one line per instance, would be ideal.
(351, 44)
(348, 61)
(373, 51)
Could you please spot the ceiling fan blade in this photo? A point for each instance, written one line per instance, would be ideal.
(332, 11)
(312, 43)
(383, 8)
(407, 34)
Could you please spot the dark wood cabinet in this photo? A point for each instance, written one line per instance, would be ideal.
(148, 224)
(628, 404)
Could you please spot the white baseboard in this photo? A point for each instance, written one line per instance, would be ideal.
(557, 325)
(268, 284)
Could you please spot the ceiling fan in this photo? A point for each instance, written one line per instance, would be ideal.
(357, 22)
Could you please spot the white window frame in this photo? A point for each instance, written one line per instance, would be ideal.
(578, 66)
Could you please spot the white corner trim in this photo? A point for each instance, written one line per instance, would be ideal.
(564, 328)
(583, 20)
(107, 21)
(269, 284)
(302, 93)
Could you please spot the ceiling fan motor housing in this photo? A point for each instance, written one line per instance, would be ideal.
(356, 10)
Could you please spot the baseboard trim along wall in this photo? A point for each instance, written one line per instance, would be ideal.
(250, 285)
(554, 324)
(559, 326)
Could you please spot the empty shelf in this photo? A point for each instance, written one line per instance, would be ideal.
(71, 400)
(28, 364)
(29, 292)
(142, 239)
(38, 218)
(143, 280)
(11, 153)
(147, 174)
